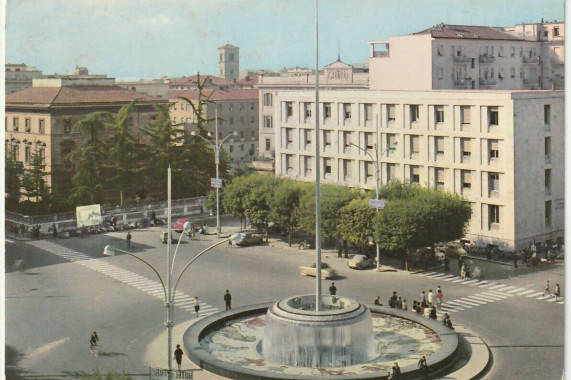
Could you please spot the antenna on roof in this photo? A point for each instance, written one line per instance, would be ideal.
(338, 51)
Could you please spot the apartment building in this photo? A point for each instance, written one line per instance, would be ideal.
(42, 117)
(19, 76)
(237, 112)
(502, 151)
(524, 57)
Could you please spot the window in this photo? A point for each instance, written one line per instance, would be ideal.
(326, 138)
(440, 73)
(512, 72)
(368, 112)
(307, 136)
(391, 143)
(439, 178)
(556, 31)
(521, 51)
(369, 140)
(548, 213)
(414, 112)
(414, 144)
(501, 73)
(28, 125)
(391, 110)
(414, 174)
(547, 114)
(473, 63)
(268, 99)
(231, 148)
(465, 115)
(439, 146)
(466, 179)
(307, 165)
(67, 126)
(241, 107)
(547, 181)
(493, 184)
(439, 114)
(27, 153)
(15, 124)
(346, 110)
(493, 214)
(501, 51)
(252, 133)
(289, 136)
(512, 53)
(391, 172)
(346, 170)
(347, 139)
(289, 109)
(326, 167)
(231, 57)
(369, 170)
(252, 119)
(220, 135)
(326, 110)
(241, 147)
(289, 163)
(42, 126)
(267, 121)
(268, 144)
(493, 116)
(242, 120)
(465, 148)
(307, 110)
(547, 145)
(440, 50)
(493, 149)
(231, 121)
(252, 106)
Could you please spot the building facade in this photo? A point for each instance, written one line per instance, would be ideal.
(502, 151)
(237, 112)
(524, 57)
(19, 76)
(229, 62)
(43, 117)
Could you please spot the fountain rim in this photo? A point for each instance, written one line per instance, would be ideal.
(195, 333)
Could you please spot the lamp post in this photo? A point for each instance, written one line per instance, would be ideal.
(377, 180)
(15, 168)
(168, 290)
(216, 147)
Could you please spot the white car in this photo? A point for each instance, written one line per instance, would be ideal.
(361, 262)
(326, 271)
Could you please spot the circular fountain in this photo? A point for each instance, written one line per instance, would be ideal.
(339, 334)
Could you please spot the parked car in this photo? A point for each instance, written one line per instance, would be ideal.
(179, 225)
(326, 271)
(164, 238)
(243, 239)
(361, 262)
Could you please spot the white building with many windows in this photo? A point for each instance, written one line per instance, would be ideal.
(502, 151)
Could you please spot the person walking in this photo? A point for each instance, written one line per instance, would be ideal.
(399, 303)
(378, 301)
(463, 272)
(129, 239)
(446, 264)
(433, 313)
(228, 300)
(423, 366)
(423, 298)
(396, 372)
(178, 355)
(333, 289)
(547, 288)
(404, 307)
(557, 292)
(439, 297)
(196, 306)
(54, 230)
(430, 297)
(93, 340)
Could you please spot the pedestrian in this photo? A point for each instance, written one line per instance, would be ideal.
(378, 301)
(399, 303)
(463, 272)
(333, 289)
(433, 313)
(93, 340)
(446, 264)
(547, 288)
(228, 299)
(430, 297)
(404, 307)
(414, 306)
(129, 239)
(423, 298)
(393, 300)
(460, 263)
(439, 297)
(396, 372)
(178, 355)
(54, 230)
(196, 305)
(515, 259)
(422, 365)
(557, 292)
(446, 321)
(426, 312)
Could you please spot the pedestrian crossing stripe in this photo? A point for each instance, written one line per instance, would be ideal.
(480, 284)
(498, 287)
(427, 274)
(447, 276)
(152, 288)
(534, 294)
(461, 304)
(485, 298)
(500, 293)
(526, 292)
(489, 284)
(439, 276)
(494, 295)
(471, 282)
(516, 290)
(452, 278)
(9, 241)
(475, 300)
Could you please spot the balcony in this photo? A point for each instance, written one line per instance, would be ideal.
(380, 54)
(530, 60)
(462, 83)
(485, 58)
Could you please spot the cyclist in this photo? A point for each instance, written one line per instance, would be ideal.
(93, 343)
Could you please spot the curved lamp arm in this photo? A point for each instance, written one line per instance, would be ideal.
(185, 228)
(202, 137)
(191, 261)
(110, 251)
(226, 138)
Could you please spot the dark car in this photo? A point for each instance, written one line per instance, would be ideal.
(246, 238)
(361, 262)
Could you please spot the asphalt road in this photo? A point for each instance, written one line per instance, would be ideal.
(70, 289)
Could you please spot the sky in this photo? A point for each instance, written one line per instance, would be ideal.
(132, 39)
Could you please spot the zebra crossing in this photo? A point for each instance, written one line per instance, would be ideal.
(152, 288)
(493, 290)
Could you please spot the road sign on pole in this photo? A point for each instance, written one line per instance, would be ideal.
(379, 204)
(216, 182)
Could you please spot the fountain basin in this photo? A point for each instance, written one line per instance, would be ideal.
(229, 344)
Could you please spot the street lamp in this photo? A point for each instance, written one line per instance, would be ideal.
(216, 147)
(168, 290)
(377, 175)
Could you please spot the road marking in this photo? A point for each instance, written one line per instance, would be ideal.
(475, 300)
(534, 294)
(544, 297)
(499, 287)
(484, 298)
(9, 241)
(515, 290)
(494, 295)
(454, 307)
(500, 293)
(31, 354)
(526, 292)
(152, 288)
(462, 304)
(451, 278)
(479, 283)
(427, 274)
(471, 282)
(488, 285)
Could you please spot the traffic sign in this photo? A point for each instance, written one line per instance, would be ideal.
(216, 182)
(377, 203)
(161, 374)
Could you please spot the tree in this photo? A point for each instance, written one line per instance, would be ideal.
(258, 201)
(284, 205)
(34, 179)
(89, 180)
(123, 165)
(199, 106)
(356, 223)
(12, 172)
(234, 197)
